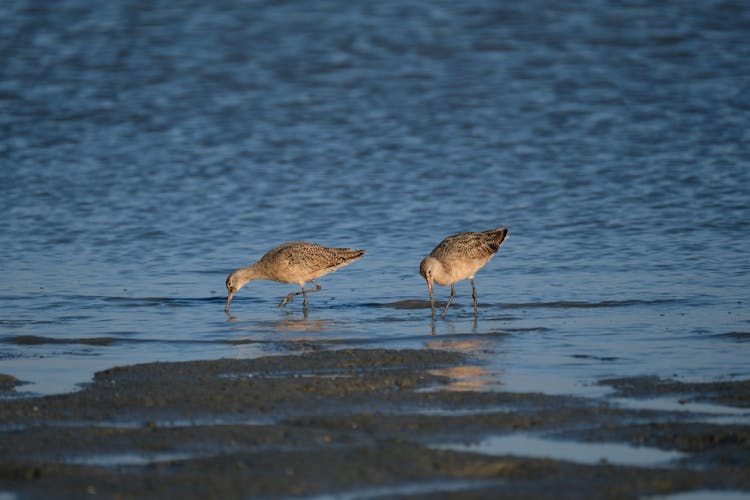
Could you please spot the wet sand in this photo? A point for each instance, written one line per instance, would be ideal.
(356, 422)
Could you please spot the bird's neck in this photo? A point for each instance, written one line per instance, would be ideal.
(439, 272)
(246, 274)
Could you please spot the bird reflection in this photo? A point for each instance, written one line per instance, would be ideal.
(292, 324)
(467, 345)
(463, 377)
(452, 326)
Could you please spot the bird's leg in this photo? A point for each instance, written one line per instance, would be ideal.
(288, 299)
(450, 299)
(474, 296)
(303, 292)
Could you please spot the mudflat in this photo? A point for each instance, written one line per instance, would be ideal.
(363, 422)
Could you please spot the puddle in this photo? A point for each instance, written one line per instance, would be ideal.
(714, 413)
(525, 445)
(455, 412)
(705, 495)
(133, 424)
(196, 421)
(409, 489)
(127, 458)
(725, 420)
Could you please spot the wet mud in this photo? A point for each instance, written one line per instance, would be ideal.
(353, 422)
(8, 383)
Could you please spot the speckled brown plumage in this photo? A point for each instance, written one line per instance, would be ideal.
(295, 262)
(460, 257)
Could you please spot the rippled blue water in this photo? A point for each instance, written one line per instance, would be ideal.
(149, 148)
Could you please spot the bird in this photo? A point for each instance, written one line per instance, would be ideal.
(459, 257)
(293, 262)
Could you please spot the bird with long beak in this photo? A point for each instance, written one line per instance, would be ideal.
(295, 262)
(457, 258)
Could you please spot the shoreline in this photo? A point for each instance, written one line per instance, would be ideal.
(360, 421)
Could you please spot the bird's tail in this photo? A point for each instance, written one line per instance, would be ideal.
(347, 256)
(497, 237)
(354, 254)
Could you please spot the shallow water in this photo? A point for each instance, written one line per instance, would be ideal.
(148, 150)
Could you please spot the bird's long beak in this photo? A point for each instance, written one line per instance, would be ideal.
(432, 297)
(229, 301)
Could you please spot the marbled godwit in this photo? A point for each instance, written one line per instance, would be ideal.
(295, 262)
(459, 257)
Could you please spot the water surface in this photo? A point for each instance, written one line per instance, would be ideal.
(146, 150)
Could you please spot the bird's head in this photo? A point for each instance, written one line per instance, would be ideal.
(234, 282)
(427, 268)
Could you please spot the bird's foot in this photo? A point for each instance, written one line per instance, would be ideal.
(444, 313)
(286, 300)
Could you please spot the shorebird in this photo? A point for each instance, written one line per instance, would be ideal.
(457, 258)
(295, 262)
